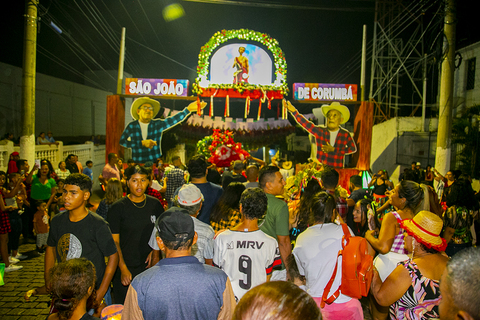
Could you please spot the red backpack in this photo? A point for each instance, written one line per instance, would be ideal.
(357, 269)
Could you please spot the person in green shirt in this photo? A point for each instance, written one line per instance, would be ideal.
(44, 187)
(275, 223)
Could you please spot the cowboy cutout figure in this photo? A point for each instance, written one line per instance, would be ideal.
(144, 134)
(333, 142)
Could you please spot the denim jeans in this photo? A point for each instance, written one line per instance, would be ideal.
(16, 226)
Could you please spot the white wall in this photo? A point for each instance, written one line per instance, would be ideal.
(462, 97)
(398, 142)
(63, 107)
(384, 147)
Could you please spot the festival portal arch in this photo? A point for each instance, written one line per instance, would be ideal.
(237, 63)
(241, 64)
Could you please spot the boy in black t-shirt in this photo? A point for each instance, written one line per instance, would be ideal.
(79, 232)
(132, 220)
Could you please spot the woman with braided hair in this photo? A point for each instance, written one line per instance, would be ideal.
(406, 197)
(73, 290)
(299, 210)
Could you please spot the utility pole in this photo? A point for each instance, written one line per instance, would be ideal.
(443, 154)
(364, 63)
(120, 62)
(27, 140)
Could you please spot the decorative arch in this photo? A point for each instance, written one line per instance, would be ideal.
(275, 91)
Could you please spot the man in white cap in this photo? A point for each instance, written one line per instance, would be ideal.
(190, 198)
(144, 135)
(333, 142)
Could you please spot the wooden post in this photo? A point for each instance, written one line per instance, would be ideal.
(445, 104)
(115, 125)
(120, 63)
(27, 139)
(362, 128)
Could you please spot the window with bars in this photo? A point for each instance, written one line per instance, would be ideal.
(471, 73)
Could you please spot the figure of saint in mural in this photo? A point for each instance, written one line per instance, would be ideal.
(241, 65)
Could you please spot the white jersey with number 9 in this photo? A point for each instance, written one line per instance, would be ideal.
(246, 257)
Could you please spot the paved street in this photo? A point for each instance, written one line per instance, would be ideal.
(12, 304)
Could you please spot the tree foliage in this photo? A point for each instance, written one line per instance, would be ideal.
(466, 132)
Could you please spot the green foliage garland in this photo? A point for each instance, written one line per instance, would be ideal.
(243, 34)
(466, 132)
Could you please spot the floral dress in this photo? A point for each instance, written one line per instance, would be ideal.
(460, 219)
(422, 298)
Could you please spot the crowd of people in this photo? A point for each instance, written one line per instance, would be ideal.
(31, 196)
(187, 241)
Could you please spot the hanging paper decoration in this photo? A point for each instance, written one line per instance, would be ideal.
(199, 107)
(247, 107)
(227, 107)
(259, 109)
(269, 104)
(211, 103)
(210, 114)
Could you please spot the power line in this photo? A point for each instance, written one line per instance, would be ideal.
(66, 35)
(94, 44)
(133, 22)
(150, 24)
(65, 65)
(113, 44)
(272, 5)
(395, 29)
(113, 38)
(161, 54)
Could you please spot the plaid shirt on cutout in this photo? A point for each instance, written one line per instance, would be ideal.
(344, 143)
(132, 136)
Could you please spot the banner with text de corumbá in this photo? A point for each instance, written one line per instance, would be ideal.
(325, 92)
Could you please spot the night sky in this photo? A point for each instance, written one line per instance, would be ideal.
(319, 38)
(317, 42)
